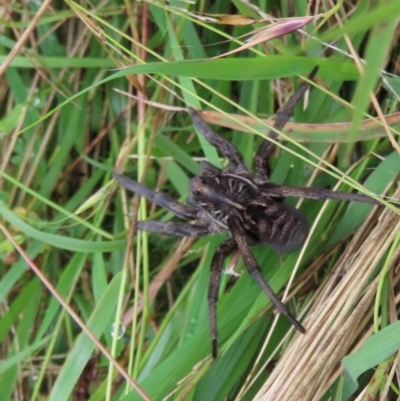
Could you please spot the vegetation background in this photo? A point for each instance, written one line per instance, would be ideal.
(80, 289)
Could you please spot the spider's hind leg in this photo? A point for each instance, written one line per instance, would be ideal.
(239, 235)
(159, 198)
(222, 252)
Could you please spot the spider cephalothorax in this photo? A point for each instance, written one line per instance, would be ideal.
(227, 194)
(249, 207)
(220, 192)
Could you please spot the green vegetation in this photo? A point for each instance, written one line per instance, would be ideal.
(73, 269)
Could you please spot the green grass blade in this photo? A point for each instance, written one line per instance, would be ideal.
(375, 350)
(99, 322)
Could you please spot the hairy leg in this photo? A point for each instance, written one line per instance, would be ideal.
(267, 148)
(222, 252)
(239, 235)
(221, 144)
(270, 190)
(181, 229)
(159, 198)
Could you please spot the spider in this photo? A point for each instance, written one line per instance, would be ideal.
(249, 207)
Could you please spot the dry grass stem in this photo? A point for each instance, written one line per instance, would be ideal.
(340, 318)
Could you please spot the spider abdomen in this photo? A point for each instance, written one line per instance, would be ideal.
(278, 225)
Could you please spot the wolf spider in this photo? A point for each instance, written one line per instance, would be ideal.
(249, 207)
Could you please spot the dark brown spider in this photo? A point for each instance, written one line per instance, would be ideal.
(249, 207)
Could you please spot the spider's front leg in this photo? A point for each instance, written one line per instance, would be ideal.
(164, 200)
(159, 198)
(267, 148)
(221, 144)
(222, 252)
(171, 228)
(239, 234)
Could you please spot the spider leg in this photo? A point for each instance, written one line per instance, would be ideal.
(270, 189)
(221, 144)
(222, 252)
(159, 198)
(181, 229)
(267, 147)
(239, 235)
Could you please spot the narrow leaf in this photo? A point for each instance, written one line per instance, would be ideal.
(272, 31)
(83, 348)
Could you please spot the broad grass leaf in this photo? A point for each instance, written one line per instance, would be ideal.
(22, 355)
(376, 349)
(60, 241)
